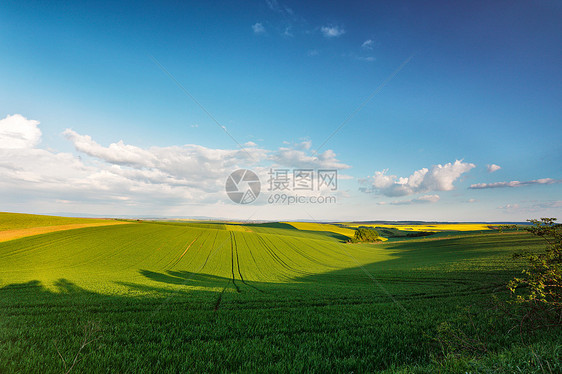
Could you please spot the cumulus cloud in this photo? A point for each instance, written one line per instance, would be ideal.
(124, 175)
(332, 31)
(492, 168)
(437, 178)
(299, 156)
(368, 44)
(480, 186)
(420, 200)
(118, 153)
(155, 177)
(258, 28)
(18, 132)
(175, 165)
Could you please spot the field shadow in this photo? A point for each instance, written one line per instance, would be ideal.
(185, 278)
(191, 279)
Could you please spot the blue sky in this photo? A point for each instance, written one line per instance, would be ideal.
(118, 136)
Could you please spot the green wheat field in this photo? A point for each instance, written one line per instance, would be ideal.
(186, 296)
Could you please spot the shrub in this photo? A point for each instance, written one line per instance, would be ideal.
(363, 235)
(540, 287)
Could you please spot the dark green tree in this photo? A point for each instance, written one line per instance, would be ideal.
(365, 235)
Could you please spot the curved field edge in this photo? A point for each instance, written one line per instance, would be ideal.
(313, 226)
(18, 221)
(7, 235)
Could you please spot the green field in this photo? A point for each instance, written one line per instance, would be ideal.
(17, 221)
(220, 297)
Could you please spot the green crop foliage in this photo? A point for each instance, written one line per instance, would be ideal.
(15, 221)
(210, 297)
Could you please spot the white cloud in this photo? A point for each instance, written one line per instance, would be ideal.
(189, 164)
(492, 168)
(480, 186)
(332, 31)
(420, 200)
(258, 28)
(18, 132)
(117, 153)
(298, 156)
(304, 145)
(438, 178)
(544, 207)
(509, 207)
(108, 179)
(313, 52)
(274, 5)
(279, 8)
(368, 44)
(365, 58)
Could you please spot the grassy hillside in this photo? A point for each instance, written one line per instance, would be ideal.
(312, 226)
(16, 225)
(207, 297)
(17, 221)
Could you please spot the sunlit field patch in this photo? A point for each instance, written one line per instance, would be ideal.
(312, 226)
(13, 226)
(428, 227)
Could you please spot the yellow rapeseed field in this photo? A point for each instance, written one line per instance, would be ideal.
(430, 227)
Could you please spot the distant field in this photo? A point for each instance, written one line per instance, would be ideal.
(311, 226)
(15, 225)
(272, 297)
(429, 227)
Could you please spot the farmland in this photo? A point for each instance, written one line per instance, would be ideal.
(274, 297)
(13, 225)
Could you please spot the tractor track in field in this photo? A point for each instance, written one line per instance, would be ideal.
(273, 255)
(232, 261)
(240, 272)
(219, 298)
(249, 247)
(271, 250)
(303, 254)
(173, 263)
(210, 252)
(162, 246)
